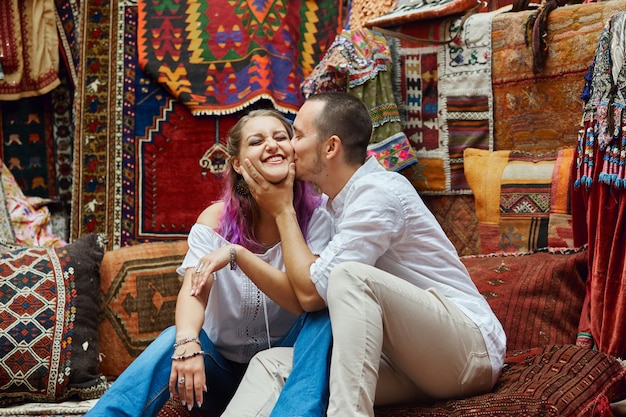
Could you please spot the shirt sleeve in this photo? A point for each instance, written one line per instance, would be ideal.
(320, 230)
(371, 217)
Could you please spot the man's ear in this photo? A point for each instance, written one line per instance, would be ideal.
(236, 164)
(333, 146)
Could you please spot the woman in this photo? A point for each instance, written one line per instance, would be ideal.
(246, 303)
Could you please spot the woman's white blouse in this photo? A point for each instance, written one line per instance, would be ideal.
(235, 317)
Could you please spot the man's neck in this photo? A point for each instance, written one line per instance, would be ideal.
(335, 178)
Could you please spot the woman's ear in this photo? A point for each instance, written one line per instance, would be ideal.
(236, 164)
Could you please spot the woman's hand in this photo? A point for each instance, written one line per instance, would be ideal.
(187, 377)
(206, 268)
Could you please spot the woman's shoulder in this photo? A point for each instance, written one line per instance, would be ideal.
(211, 215)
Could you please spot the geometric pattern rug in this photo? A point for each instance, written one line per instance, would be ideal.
(445, 98)
(144, 166)
(220, 56)
(457, 216)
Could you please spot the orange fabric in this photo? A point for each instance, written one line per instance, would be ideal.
(483, 170)
(36, 60)
(140, 286)
(559, 200)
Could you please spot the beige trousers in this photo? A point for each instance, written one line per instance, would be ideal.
(393, 343)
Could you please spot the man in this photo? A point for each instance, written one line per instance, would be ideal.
(407, 321)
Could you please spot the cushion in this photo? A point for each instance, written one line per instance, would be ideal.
(537, 296)
(522, 200)
(140, 287)
(49, 302)
(556, 380)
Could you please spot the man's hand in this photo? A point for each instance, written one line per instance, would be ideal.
(275, 198)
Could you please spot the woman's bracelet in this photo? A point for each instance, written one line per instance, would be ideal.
(187, 340)
(233, 258)
(191, 355)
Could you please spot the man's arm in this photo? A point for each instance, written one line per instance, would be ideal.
(298, 259)
(277, 199)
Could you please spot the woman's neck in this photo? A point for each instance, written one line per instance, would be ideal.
(266, 230)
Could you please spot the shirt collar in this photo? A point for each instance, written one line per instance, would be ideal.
(371, 165)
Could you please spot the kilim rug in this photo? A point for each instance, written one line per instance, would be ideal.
(445, 98)
(61, 409)
(521, 98)
(144, 166)
(27, 147)
(219, 56)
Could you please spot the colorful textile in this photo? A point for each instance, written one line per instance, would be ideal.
(37, 142)
(29, 215)
(603, 127)
(29, 48)
(599, 191)
(522, 98)
(522, 200)
(359, 62)
(548, 381)
(140, 286)
(457, 216)
(537, 296)
(219, 56)
(445, 99)
(49, 300)
(28, 145)
(406, 12)
(361, 11)
(67, 15)
(140, 154)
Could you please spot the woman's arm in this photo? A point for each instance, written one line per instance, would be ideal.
(189, 320)
(272, 281)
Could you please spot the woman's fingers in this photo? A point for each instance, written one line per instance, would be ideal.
(198, 279)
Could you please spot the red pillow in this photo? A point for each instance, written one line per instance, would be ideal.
(537, 296)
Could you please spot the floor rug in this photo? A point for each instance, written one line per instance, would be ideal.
(62, 409)
(144, 166)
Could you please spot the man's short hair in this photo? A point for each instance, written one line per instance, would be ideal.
(347, 117)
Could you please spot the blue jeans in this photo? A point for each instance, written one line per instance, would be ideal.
(306, 391)
(143, 388)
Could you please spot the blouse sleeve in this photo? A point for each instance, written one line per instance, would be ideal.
(201, 240)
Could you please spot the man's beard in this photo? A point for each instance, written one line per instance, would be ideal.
(317, 166)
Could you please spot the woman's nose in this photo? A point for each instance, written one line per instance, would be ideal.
(271, 143)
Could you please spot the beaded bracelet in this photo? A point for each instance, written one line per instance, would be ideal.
(186, 340)
(233, 260)
(191, 355)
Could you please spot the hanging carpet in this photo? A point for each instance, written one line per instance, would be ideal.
(144, 166)
(219, 56)
(445, 98)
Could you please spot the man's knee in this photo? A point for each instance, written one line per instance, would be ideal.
(276, 361)
(343, 277)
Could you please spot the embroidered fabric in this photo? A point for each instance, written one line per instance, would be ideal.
(602, 134)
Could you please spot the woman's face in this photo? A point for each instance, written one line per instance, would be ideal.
(266, 143)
